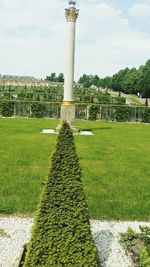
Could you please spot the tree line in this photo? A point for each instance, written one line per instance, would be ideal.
(55, 78)
(128, 81)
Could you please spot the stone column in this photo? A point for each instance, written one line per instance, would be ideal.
(68, 105)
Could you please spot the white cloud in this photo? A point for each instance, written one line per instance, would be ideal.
(114, 44)
(33, 38)
(140, 11)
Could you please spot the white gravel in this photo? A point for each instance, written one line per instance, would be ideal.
(15, 232)
(11, 246)
(107, 235)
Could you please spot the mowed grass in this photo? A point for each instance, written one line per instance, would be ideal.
(115, 165)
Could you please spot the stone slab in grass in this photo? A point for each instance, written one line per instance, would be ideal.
(49, 131)
(52, 131)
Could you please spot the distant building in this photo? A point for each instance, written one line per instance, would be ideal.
(13, 77)
(12, 80)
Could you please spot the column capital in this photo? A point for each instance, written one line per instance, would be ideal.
(71, 14)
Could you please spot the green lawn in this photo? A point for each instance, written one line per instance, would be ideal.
(115, 164)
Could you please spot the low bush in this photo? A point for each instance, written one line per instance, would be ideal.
(61, 236)
(119, 100)
(104, 99)
(144, 258)
(38, 110)
(7, 109)
(93, 112)
(122, 113)
(146, 115)
(138, 245)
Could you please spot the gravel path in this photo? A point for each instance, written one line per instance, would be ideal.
(15, 232)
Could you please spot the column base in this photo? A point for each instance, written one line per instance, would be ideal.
(68, 115)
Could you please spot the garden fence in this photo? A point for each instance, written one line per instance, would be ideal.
(104, 112)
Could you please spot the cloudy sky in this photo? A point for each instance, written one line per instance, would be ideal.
(110, 35)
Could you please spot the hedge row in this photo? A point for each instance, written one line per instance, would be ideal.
(56, 94)
(7, 109)
(40, 110)
(35, 109)
(119, 113)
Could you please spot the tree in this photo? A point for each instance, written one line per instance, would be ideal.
(117, 80)
(95, 80)
(105, 82)
(130, 82)
(88, 80)
(52, 77)
(83, 79)
(61, 235)
(144, 82)
(60, 78)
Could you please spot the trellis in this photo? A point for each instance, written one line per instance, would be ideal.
(106, 112)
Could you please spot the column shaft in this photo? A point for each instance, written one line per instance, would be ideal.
(69, 74)
(68, 105)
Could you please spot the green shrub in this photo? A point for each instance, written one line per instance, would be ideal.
(38, 110)
(146, 232)
(119, 100)
(7, 95)
(146, 115)
(144, 258)
(128, 237)
(61, 234)
(122, 113)
(7, 109)
(104, 98)
(93, 112)
(86, 99)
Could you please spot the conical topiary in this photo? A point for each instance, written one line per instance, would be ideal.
(61, 234)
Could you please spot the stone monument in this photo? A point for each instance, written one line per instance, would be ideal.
(68, 105)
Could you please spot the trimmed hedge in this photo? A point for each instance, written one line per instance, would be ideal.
(38, 110)
(122, 113)
(93, 112)
(146, 115)
(119, 100)
(7, 109)
(61, 235)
